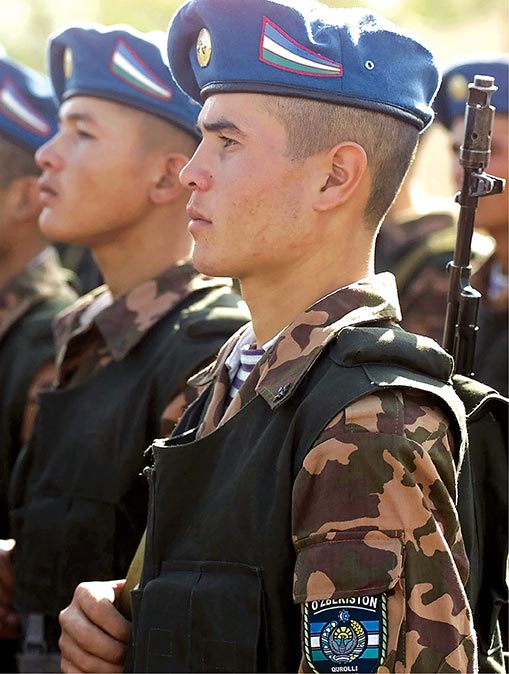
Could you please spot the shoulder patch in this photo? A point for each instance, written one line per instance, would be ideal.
(346, 635)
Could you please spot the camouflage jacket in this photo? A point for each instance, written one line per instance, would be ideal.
(41, 280)
(385, 463)
(114, 328)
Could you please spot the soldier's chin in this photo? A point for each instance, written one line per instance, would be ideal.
(210, 267)
(51, 228)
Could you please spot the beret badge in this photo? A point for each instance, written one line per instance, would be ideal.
(457, 87)
(204, 47)
(68, 62)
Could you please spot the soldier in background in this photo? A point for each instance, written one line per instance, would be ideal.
(124, 351)
(33, 285)
(492, 279)
(417, 249)
(419, 230)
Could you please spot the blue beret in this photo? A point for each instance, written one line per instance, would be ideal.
(453, 93)
(120, 64)
(28, 114)
(306, 49)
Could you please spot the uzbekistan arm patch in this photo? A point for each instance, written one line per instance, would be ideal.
(345, 635)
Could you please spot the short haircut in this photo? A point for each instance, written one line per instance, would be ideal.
(390, 144)
(15, 162)
(159, 133)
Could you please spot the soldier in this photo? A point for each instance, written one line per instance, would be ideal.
(419, 255)
(419, 233)
(124, 351)
(492, 280)
(491, 358)
(320, 460)
(33, 285)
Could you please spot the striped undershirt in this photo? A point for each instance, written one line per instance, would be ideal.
(242, 361)
(248, 359)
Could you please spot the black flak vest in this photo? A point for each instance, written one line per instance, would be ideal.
(216, 590)
(79, 499)
(25, 348)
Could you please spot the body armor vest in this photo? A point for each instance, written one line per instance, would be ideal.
(78, 497)
(26, 347)
(216, 590)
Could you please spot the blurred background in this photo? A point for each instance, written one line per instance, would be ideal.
(452, 28)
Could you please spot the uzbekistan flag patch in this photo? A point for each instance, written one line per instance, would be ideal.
(129, 67)
(14, 106)
(346, 635)
(279, 50)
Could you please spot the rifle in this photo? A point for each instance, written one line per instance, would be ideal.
(462, 300)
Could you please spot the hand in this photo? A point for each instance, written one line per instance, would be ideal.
(95, 635)
(9, 624)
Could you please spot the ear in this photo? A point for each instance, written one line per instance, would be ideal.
(166, 186)
(23, 199)
(345, 167)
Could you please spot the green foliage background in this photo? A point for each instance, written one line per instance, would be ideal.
(25, 24)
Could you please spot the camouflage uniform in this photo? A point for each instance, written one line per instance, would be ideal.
(28, 304)
(403, 247)
(122, 364)
(326, 505)
(83, 350)
(417, 250)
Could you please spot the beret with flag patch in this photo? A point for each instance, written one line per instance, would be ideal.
(28, 114)
(453, 93)
(120, 64)
(305, 49)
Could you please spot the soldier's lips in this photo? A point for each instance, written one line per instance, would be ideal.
(46, 193)
(196, 219)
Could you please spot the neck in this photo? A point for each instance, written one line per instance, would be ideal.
(405, 201)
(277, 300)
(143, 252)
(13, 262)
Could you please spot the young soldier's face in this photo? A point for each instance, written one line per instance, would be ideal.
(93, 181)
(250, 203)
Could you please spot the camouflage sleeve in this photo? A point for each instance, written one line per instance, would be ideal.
(380, 560)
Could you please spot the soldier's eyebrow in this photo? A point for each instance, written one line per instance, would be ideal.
(77, 117)
(221, 125)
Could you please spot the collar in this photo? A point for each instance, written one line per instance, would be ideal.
(42, 278)
(298, 346)
(124, 321)
(247, 339)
